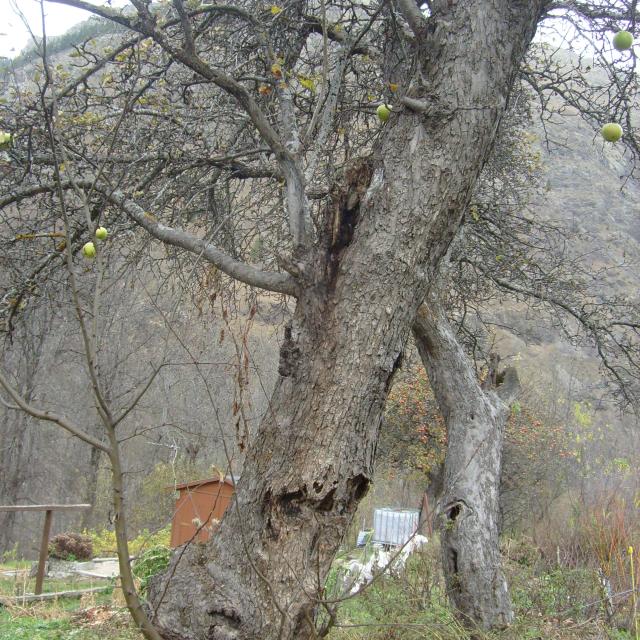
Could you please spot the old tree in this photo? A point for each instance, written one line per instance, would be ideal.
(217, 128)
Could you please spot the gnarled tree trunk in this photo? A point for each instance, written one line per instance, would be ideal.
(468, 507)
(261, 576)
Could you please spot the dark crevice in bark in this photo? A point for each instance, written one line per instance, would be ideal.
(453, 561)
(343, 213)
(346, 227)
(453, 511)
(223, 618)
(326, 504)
(289, 354)
(290, 502)
(396, 365)
(358, 487)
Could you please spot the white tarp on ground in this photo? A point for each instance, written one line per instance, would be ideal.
(359, 573)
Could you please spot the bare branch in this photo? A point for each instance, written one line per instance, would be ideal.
(192, 61)
(411, 13)
(138, 397)
(189, 43)
(419, 106)
(48, 416)
(102, 11)
(286, 152)
(235, 268)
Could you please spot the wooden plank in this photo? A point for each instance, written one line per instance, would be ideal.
(51, 596)
(91, 574)
(44, 550)
(45, 507)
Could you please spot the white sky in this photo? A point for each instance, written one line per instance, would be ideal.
(14, 36)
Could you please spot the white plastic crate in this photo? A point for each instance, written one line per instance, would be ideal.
(394, 526)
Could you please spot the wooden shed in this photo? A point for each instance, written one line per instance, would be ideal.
(199, 503)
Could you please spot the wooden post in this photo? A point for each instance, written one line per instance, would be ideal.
(425, 527)
(44, 551)
(44, 545)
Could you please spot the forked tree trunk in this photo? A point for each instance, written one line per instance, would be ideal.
(261, 576)
(468, 507)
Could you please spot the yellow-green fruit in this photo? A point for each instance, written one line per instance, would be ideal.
(101, 233)
(89, 250)
(5, 140)
(611, 132)
(383, 111)
(623, 40)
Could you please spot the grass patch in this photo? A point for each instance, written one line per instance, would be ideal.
(20, 584)
(91, 618)
(27, 628)
(12, 565)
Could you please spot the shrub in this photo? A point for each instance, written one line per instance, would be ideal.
(104, 541)
(71, 546)
(153, 561)
(145, 540)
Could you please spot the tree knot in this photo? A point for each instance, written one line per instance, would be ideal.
(289, 354)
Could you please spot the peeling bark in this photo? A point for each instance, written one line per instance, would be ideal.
(468, 508)
(262, 575)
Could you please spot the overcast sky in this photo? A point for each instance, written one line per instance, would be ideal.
(14, 36)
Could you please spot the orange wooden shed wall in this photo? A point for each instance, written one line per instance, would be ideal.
(205, 500)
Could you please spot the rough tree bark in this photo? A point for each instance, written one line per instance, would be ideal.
(311, 462)
(468, 507)
(91, 491)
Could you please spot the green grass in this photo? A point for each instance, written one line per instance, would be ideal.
(66, 620)
(10, 565)
(24, 628)
(10, 586)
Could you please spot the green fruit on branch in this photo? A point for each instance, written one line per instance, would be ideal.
(89, 250)
(623, 40)
(383, 111)
(101, 233)
(611, 132)
(5, 140)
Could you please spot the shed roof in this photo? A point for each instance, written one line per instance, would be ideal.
(230, 480)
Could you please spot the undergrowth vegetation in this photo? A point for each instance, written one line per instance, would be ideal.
(551, 601)
(104, 541)
(91, 618)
